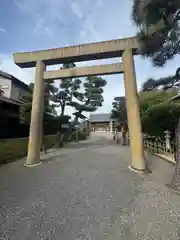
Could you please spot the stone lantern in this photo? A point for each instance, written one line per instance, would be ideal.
(167, 138)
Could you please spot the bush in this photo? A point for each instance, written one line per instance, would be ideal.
(81, 136)
(159, 118)
(12, 149)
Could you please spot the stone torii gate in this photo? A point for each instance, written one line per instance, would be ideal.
(124, 48)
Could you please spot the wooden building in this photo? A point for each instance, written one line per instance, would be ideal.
(100, 122)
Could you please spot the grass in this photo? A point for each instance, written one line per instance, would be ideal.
(13, 149)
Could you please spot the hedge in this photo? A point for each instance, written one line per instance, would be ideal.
(13, 149)
(159, 118)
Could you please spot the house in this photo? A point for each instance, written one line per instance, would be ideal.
(100, 122)
(13, 90)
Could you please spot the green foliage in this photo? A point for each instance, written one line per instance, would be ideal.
(84, 97)
(49, 109)
(157, 113)
(119, 109)
(70, 94)
(79, 115)
(81, 136)
(159, 118)
(159, 29)
(68, 87)
(90, 99)
(151, 98)
(163, 83)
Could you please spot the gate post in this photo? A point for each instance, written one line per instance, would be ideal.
(34, 145)
(133, 112)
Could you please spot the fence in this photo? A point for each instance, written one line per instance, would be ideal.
(164, 149)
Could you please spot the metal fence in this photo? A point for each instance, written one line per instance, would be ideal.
(163, 148)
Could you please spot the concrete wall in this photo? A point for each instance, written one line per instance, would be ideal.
(5, 85)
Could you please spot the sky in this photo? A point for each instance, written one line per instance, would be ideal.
(27, 25)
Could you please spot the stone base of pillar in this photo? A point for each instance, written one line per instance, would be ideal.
(140, 171)
(32, 165)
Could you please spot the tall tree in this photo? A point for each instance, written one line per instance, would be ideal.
(158, 23)
(49, 111)
(62, 98)
(64, 93)
(90, 98)
(83, 96)
(159, 28)
(152, 98)
(163, 83)
(119, 109)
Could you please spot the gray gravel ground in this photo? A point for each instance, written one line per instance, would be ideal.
(86, 192)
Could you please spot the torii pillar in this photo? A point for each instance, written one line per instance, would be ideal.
(133, 112)
(35, 133)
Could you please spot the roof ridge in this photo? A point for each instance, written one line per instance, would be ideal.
(5, 74)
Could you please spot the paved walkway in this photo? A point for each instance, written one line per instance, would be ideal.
(86, 191)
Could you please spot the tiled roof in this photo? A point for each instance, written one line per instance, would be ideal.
(100, 117)
(15, 80)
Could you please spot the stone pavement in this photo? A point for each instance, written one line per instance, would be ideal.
(86, 192)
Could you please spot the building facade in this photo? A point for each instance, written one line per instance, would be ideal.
(13, 91)
(100, 122)
(13, 88)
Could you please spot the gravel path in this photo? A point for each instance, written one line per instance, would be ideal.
(86, 192)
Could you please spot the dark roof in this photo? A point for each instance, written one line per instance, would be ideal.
(15, 80)
(100, 117)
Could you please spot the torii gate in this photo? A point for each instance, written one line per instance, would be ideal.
(124, 48)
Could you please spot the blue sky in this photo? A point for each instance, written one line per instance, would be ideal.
(27, 25)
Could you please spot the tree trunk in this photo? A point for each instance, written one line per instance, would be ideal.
(175, 184)
(63, 108)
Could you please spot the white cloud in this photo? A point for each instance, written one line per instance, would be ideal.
(7, 65)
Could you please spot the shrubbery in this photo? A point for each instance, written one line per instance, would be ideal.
(158, 114)
(159, 118)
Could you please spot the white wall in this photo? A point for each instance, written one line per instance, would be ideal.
(5, 85)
